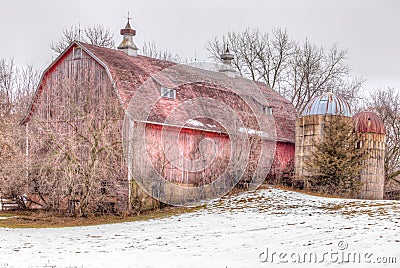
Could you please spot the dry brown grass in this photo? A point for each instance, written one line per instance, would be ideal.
(42, 219)
(303, 191)
(46, 219)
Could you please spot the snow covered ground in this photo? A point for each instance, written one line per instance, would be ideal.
(257, 229)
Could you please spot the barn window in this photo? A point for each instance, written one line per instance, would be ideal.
(268, 110)
(77, 53)
(168, 93)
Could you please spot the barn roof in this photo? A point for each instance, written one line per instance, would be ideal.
(128, 73)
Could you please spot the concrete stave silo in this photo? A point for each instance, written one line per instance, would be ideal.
(372, 132)
(310, 127)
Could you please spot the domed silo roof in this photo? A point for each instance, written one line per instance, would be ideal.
(327, 104)
(368, 122)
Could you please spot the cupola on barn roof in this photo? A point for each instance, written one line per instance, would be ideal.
(368, 122)
(128, 45)
(226, 67)
(327, 104)
(227, 56)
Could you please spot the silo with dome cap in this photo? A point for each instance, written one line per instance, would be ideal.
(310, 125)
(372, 132)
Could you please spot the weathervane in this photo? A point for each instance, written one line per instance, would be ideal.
(129, 18)
(79, 32)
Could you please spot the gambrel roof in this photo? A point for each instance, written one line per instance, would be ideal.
(128, 73)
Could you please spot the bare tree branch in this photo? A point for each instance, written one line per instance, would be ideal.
(298, 71)
(386, 103)
(95, 34)
(151, 50)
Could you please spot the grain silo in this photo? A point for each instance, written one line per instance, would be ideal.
(372, 132)
(310, 125)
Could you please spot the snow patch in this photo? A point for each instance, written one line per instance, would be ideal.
(229, 232)
(253, 132)
(195, 123)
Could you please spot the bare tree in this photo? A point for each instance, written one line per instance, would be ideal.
(298, 71)
(79, 164)
(151, 50)
(313, 71)
(259, 56)
(16, 87)
(7, 85)
(98, 35)
(12, 171)
(95, 34)
(386, 103)
(75, 142)
(26, 83)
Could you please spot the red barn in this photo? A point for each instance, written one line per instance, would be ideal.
(110, 82)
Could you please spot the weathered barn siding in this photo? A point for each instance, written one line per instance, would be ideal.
(283, 164)
(189, 145)
(71, 83)
(102, 81)
(75, 92)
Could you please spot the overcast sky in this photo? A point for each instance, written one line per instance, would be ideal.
(369, 29)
